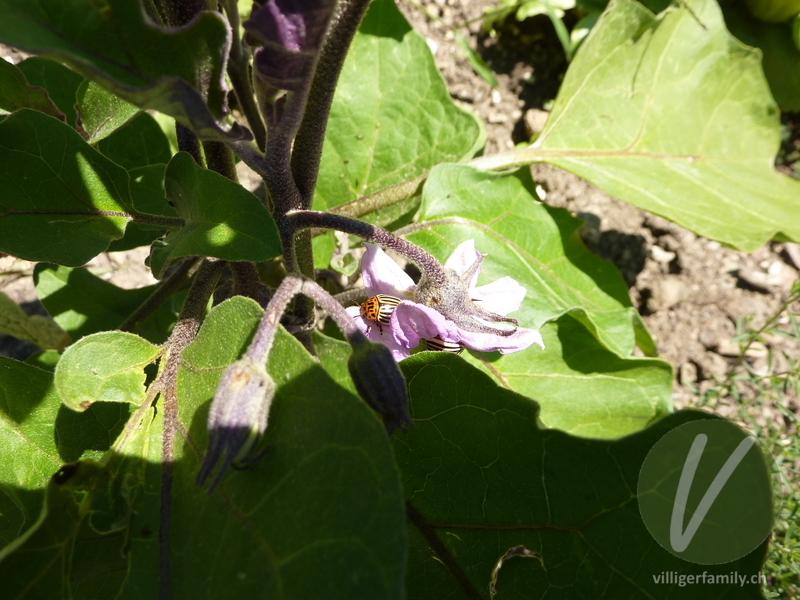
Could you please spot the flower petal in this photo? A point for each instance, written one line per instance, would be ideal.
(411, 322)
(381, 275)
(373, 333)
(463, 257)
(502, 296)
(488, 342)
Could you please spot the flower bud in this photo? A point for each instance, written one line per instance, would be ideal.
(237, 418)
(379, 382)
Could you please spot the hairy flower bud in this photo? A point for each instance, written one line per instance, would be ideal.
(237, 418)
(379, 382)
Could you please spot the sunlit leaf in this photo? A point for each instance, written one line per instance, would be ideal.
(673, 115)
(104, 367)
(222, 219)
(62, 200)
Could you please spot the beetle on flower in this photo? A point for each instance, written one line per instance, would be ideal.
(429, 313)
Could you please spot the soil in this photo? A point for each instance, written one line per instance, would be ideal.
(690, 290)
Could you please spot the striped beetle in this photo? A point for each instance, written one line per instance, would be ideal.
(379, 309)
(437, 344)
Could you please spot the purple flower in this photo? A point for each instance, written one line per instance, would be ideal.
(410, 322)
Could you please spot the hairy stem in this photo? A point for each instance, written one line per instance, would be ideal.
(310, 135)
(182, 335)
(188, 142)
(220, 159)
(239, 73)
(427, 264)
(166, 288)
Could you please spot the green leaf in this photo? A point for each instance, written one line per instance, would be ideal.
(104, 367)
(537, 245)
(392, 117)
(222, 219)
(333, 355)
(29, 456)
(781, 60)
(324, 499)
(477, 63)
(16, 93)
(540, 248)
(37, 329)
(82, 303)
(62, 200)
(140, 142)
(147, 192)
(481, 479)
(100, 112)
(116, 45)
(582, 387)
(33, 566)
(60, 82)
(673, 115)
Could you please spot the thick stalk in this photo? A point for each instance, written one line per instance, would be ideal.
(310, 135)
(182, 335)
(166, 288)
(428, 265)
(239, 73)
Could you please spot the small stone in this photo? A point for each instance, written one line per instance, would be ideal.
(661, 256)
(712, 245)
(669, 243)
(688, 373)
(496, 97)
(708, 338)
(534, 121)
(667, 292)
(497, 118)
(775, 268)
(756, 280)
(728, 348)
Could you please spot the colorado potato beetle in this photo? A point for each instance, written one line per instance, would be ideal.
(437, 344)
(379, 309)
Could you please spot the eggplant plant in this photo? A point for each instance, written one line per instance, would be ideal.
(263, 423)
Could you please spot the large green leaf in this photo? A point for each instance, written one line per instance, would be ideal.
(62, 200)
(325, 498)
(392, 117)
(37, 435)
(541, 249)
(222, 219)
(537, 245)
(494, 501)
(82, 303)
(115, 44)
(582, 387)
(672, 114)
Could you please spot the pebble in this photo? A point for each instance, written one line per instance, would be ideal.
(666, 293)
(662, 256)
